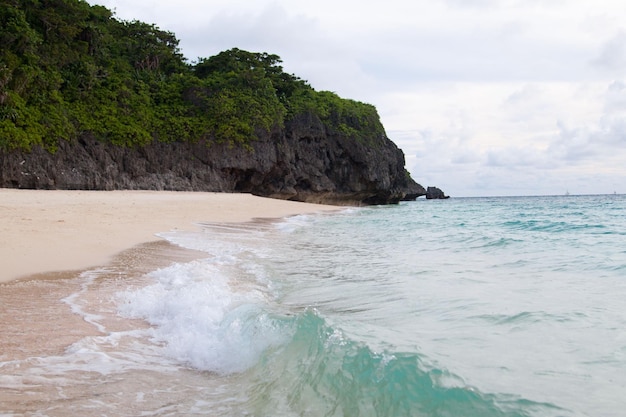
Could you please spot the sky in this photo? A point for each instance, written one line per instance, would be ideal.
(485, 97)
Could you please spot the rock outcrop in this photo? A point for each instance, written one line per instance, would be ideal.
(302, 162)
(434, 193)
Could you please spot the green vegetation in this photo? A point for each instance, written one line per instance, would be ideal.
(68, 69)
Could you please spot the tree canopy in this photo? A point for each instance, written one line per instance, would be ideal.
(68, 68)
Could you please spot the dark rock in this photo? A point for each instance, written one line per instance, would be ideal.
(414, 190)
(434, 193)
(302, 162)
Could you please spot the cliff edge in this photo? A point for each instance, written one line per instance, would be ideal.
(302, 162)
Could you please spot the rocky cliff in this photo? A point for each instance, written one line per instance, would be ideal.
(434, 193)
(302, 162)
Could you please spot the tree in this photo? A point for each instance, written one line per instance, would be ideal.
(68, 68)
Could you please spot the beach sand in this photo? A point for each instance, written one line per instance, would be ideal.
(44, 231)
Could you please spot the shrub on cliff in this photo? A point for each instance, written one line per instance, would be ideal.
(68, 68)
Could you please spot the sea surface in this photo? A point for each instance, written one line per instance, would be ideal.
(478, 307)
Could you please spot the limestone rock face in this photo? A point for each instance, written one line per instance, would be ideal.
(434, 193)
(302, 162)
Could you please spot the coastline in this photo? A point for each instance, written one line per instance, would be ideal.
(65, 256)
(57, 230)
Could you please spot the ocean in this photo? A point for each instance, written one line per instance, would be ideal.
(507, 306)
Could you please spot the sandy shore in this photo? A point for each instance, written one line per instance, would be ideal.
(43, 231)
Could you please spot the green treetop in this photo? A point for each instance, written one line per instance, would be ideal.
(68, 68)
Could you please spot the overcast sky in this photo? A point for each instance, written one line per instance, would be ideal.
(485, 97)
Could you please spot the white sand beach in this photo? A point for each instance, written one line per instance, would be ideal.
(44, 231)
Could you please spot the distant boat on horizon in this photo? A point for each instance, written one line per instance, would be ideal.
(567, 192)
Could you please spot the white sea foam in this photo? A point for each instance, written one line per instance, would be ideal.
(72, 300)
(204, 318)
(293, 223)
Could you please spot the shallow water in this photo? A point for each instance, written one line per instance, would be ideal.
(462, 307)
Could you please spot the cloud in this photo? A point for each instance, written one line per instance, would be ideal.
(603, 139)
(514, 158)
(270, 29)
(613, 54)
(526, 135)
(615, 100)
(480, 4)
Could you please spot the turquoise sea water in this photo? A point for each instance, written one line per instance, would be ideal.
(462, 307)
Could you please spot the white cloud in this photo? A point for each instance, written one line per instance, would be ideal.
(613, 53)
(616, 97)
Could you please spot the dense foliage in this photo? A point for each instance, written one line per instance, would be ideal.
(68, 68)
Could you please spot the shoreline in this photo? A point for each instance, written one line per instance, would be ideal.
(45, 231)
